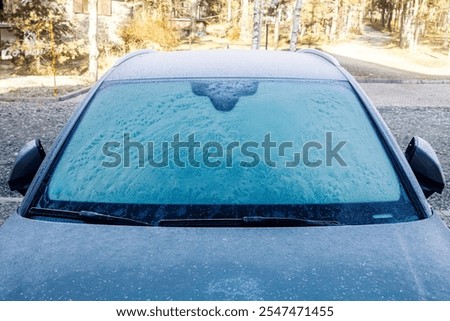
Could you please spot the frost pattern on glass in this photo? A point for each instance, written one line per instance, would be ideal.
(291, 111)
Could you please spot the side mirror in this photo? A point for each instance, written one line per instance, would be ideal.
(426, 166)
(26, 165)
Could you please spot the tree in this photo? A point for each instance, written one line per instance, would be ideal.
(93, 48)
(257, 22)
(35, 23)
(295, 25)
(243, 22)
(193, 16)
(276, 32)
(150, 26)
(413, 21)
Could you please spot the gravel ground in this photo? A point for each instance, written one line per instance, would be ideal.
(22, 121)
(433, 125)
(6, 208)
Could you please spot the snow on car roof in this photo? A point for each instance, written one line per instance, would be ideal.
(226, 64)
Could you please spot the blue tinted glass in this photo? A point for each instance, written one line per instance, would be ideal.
(225, 142)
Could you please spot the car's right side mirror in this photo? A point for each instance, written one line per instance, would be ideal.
(425, 165)
(26, 166)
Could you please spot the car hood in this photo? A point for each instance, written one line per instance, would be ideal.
(41, 260)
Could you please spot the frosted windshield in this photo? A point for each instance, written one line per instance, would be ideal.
(261, 142)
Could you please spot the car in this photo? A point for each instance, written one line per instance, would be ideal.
(226, 175)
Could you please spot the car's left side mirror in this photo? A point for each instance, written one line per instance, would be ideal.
(26, 166)
(425, 165)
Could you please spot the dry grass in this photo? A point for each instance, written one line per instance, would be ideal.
(144, 32)
(234, 33)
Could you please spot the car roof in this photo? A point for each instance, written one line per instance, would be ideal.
(147, 64)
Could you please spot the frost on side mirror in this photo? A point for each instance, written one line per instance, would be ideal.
(426, 166)
(26, 166)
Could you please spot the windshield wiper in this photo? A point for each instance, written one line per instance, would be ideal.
(85, 216)
(286, 221)
(246, 221)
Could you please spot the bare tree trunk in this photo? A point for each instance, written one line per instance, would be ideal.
(334, 21)
(257, 22)
(447, 29)
(53, 52)
(415, 27)
(244, 21)
(362, 13)
(229, 11)
(372, 5)
(390, 16)
(410, 32)
(295, 25)
(405, 30)
(93, 49)
(194, 10)
(417, 31)
(348, 21)
(395, 13)
(38, 49)
(276, 33)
